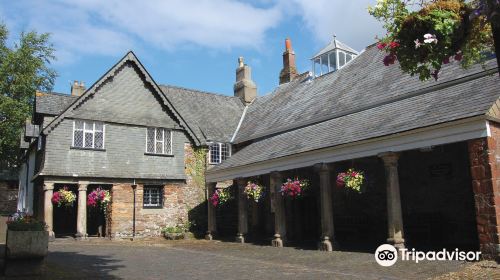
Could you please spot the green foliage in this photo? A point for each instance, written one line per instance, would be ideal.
(425, 39)
(195, 166)
(25, 223)
(24, 69)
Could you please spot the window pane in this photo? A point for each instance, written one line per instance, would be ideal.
(78, 138)
(159, 147)
(159, 134)
(317, 67)
(150, 144)
(89, 126)
(333, 63)
(168, 142)
(89, 139)
(225, 151)
(347, 58)
(324, 64)
(99, 141)
(78, 124)
(98, 126)
(152, 197)
(214, 153)
(341, 59)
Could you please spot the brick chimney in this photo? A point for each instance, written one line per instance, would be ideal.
(77, 89)
(244, 88)
(289, 71)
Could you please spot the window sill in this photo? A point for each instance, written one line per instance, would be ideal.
(88, 149)
(152, 207)
(158, 155)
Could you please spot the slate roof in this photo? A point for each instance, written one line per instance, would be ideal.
(361, 101)
(335, 44)
(212, 117)
(52, 103)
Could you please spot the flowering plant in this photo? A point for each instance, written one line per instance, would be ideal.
(351, 179)
(21, 221)
(64, 197)
(220, 196)
(422, 41)
(98, 198)
(294, 188)
(254, 191)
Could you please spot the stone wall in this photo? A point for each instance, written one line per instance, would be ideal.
(8, 197)
(484, 155)
(182, 201)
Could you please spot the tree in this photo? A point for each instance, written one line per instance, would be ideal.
(24, 69)
(425, 34)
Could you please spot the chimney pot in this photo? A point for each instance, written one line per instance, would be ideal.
(289, 71)
(78, 88)
(244, 88)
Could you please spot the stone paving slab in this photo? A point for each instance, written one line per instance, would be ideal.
(200, 259)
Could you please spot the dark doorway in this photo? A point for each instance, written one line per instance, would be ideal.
(65, 217)
(437, 198)
(97, 224)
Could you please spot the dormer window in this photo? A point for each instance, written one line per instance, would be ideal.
(332, 57)
(218, 152)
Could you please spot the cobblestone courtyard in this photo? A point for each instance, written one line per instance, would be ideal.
(199, 259)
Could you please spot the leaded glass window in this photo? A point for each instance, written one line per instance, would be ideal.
(158, 141)
(152, 197)
(218, 152)
(88, 134)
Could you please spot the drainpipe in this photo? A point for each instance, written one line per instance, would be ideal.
(134, 187)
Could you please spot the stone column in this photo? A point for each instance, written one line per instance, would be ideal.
(212, 224)
(81, 218)
(394, 213)
(48, 209)
(279, 210)
(325, 188)
(242, 211)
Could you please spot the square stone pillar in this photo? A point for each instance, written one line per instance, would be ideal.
(325, 188)
(279, 210)
(212, 224)
(242, 211)
(81, 218)
(394, 212)
(48, 208)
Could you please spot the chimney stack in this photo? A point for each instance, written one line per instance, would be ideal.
(289, 71)
(77, 89)
(244, 88)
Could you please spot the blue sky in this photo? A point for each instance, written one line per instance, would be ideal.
(189, 43)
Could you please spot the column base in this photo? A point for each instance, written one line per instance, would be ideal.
(209, 236)
(52, 236)
(81, 236)
(398, 243)
(326, 245)
(277, 241)
(240, 238)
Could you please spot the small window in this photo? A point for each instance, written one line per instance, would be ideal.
(153, 197)
(218, 152)
(341, 59)
(88, 134)
(159, 141)
(333, 61)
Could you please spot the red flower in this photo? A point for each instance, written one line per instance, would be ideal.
(393, 45)
(458, 56)
(381, 46)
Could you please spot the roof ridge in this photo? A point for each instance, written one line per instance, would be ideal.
(57, 93)
(197, 90)
(404, 96)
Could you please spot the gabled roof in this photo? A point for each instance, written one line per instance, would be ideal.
(129, 57)
(335, 44)
(362, 101)
(212, 117)
(52, 103)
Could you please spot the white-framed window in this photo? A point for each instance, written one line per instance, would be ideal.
(152, 197)
(218, 152)
(88, 134)
(159, 141)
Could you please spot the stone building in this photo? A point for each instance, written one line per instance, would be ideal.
(145, 143)
(429, 152)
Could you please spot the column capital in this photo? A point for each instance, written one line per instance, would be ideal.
(322, 167)
(48, 186)
(276, 174)
(82, 186)
(389, 158)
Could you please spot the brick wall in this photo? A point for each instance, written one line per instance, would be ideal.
(484, 155)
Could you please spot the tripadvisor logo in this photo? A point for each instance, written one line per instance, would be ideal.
(387, 255)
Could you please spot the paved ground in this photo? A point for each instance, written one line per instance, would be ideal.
(201, 259)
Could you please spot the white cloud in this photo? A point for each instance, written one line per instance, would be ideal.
(349, 20)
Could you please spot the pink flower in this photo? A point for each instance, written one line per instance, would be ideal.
(393, 45)
(417, 44)
(458, 56)
(381, 46)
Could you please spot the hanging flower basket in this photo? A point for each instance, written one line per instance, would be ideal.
(351, 179)
(64, 197)
(99, 198)
(294, 188)
(220, 197)
(254, 192)
(442, 31)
